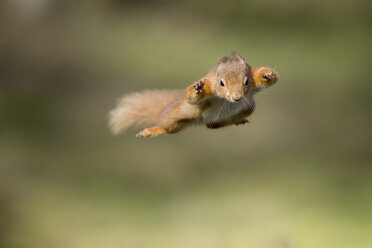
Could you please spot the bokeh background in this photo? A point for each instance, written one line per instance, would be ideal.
(298, 175)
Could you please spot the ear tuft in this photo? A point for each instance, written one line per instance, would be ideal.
(223, 60)
(238, 57)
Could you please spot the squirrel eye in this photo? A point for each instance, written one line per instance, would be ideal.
(222, 83)
(246, 82)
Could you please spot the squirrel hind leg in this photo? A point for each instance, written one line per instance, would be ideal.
(152, 132)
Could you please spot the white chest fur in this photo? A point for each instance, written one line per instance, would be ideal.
(221, 110)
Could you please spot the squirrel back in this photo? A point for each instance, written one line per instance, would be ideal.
(141, 108)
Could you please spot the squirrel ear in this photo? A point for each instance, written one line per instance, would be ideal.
(238, 57)
(223, 60)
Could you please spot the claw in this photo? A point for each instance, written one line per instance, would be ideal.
(266, 77)
(198, 87)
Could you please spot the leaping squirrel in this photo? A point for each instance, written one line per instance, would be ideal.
(224, 96)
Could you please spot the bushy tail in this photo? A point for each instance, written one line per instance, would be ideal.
(140, 109)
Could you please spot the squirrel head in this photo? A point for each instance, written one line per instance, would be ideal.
(232, 78)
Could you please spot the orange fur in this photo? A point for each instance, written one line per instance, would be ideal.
(153, 132)
(224, 96)
(141, 109)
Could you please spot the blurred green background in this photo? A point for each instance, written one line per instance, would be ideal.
(298, 175)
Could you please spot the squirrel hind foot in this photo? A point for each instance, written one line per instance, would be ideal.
(242, 122)
(213, 125)
(151, 132)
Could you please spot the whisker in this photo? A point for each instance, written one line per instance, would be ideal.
(219, 112)
(247, 103)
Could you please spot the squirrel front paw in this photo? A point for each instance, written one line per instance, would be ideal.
(199, 86)
(196, 91)
(268, 76)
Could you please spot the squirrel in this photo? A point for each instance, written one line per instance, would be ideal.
(224, 96)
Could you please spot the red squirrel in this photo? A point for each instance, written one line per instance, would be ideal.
(224, 96)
